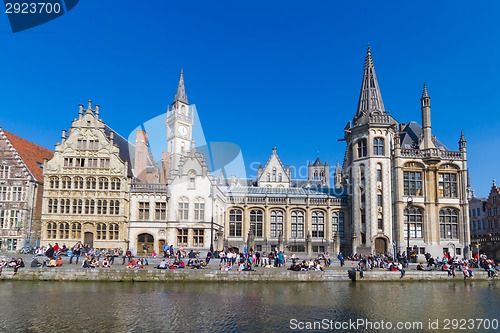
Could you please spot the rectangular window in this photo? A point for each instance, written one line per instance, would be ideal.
(93, 162)
(199, 211)
(412, 183)
(4, 171)
(198, 237)
(143, 210)
(93, 144)
(183, 210)
(3, 193)
(17, 193)
(182, 237)
(448, 185)
(362, 151)
(161, 211)
(68, 161)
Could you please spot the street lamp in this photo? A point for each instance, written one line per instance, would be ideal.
(409, 205)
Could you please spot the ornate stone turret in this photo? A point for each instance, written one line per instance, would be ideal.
(370, 99)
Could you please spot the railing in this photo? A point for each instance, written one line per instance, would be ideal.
(148, 188)
(432, 152)
(380, 119)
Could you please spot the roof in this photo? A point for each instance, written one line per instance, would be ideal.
(285, 191)
(127, 149)
(410, 137)
(31, 154)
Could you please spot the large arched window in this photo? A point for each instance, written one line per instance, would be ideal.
(76, 230)
(256, 222)
(276, 223)
(199, 209)
(54, 182)
(113, 231)
(51, 230)
(318, 224)
(338, 224)
(91, 183)
(448, 223)
(235, 222)
(101, 231)
(64, 230)
(103, 183)
(78, 183)
(297, 224)
(413, 216)
(65, 182)
(183, 211)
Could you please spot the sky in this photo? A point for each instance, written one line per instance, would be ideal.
(262, 74)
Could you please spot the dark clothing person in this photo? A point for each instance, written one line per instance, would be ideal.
(50, 252)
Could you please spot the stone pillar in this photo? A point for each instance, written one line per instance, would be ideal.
(308, 244)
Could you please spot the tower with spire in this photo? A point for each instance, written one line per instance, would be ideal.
(367, 166)
(318, 173)
(180, 120)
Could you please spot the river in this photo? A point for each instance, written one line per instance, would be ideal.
(248, 307)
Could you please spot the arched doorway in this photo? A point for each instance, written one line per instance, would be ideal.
(380, 245)
(161, 242)
(145, 239)
(88, 238)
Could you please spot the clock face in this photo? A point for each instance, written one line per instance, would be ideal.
(183, 130)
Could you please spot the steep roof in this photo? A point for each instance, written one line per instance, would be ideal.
(410, 137)
(31, 154)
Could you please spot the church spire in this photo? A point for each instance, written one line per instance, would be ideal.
(180, 95)
(370, 98)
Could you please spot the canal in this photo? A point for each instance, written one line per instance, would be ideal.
(247, 307)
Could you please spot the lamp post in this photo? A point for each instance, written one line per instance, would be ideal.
(409, 205)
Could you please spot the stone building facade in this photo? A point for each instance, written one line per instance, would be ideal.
(21, 187)
(399, 189)
(86, 197)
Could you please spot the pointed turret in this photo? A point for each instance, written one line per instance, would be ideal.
(180, 95)
(462, 143)
(338, 176)
(370, 98)
(425, 106)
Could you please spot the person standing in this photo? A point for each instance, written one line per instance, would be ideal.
(75, 253)
(145, 250)
(340, 257)
(128, 254)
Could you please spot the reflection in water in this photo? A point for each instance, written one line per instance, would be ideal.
(232, 307)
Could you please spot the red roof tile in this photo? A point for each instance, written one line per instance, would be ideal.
(31, 154)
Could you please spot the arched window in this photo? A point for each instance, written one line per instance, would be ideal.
(91, 183)
(64, 230)
(274, 174)
(338, 224)
(413, 216)
(235, 222)
(115, 184)
(256, 222)
(54, 182)
(318, 224)
(113, 231)
(101, 231)
(183, 212)
(65, 206)
(52, 208)
(297, 224)
(114, 207)
(378, 146)
(76, 230)
(268, 177)
(362, 151)
(78, 183)
(199, 209)
(51, 230)
(276, 223)
(280, 177)
(65, 183)
(103, 183)
(448, 223)
(379, 172)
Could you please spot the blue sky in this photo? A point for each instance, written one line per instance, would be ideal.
(261, 73)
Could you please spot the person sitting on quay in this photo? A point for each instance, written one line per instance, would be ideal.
(467, 272)
(106, 263)
(132, 264)
(226, 267)
(59, 262)
(19, 264)
(51, 262)
(420, 266)
(163, 264)
(35, 263)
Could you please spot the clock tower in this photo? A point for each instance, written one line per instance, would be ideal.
(180, 119)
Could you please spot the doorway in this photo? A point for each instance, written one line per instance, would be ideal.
(380, 245)
(88, 238)
(145, 239)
